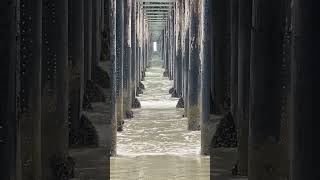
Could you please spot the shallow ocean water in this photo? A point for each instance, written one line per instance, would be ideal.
(156, 144)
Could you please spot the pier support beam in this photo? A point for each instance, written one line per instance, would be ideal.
(127, 100)
(54, 86)
(170, 47)
(269, 83)
(112, 45)
(305, 53)
(30, 93)
(139, 48)
(94, 45)
(178, 57)
(221, 56)
(205, 78)
(119, 60)
(167, 47)
(133, 49)
(245, 16)
(76, 66)
(194, 67)
(186, 56)
(234, 21)
(9, 62)
(87, 39)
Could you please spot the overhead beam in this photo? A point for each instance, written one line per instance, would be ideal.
(166, 8)
(156, 13)
(156, 16)
(157, 1)
(156, 21)
(157, 9)
(156, 25)
(157, 5)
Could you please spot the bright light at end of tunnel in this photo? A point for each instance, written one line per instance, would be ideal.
(154, 46)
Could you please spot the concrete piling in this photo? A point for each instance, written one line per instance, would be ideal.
(30, 84)
(205, 78)
(236, 65)
(54, 112)
(127, 55)
(269, 100)
(304, 53)
(245, 14)
(186, 57)
(119, 60)
(76, 62)
(87, 39)
(114, 110)
(9, 46)
(178, 57)
(133, 49)
(194, 67)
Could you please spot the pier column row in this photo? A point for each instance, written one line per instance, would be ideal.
(261, 55)
(46, 50)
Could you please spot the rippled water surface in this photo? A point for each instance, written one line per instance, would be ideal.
(156, 144)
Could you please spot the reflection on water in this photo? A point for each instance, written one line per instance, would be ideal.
(156, 144)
